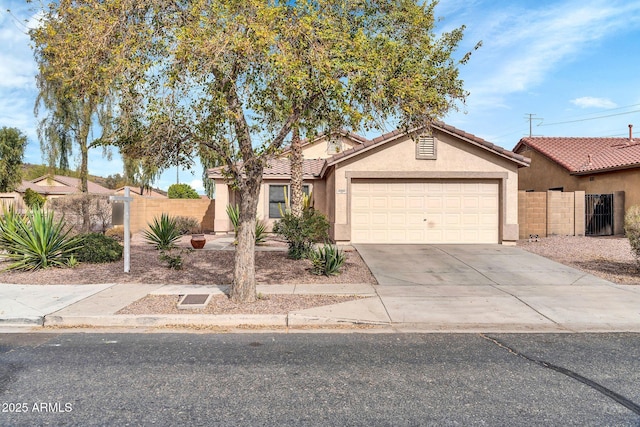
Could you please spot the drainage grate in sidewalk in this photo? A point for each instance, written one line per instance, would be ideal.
(194, 301)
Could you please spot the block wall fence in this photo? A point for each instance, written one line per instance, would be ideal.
(143, 210)
(551, 213)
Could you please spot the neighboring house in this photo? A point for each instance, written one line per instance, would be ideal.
(58, 185)
(134, 191)
(51, 187)
(448, 187)
(592, 165)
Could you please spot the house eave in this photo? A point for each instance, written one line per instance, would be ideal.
(604, 170)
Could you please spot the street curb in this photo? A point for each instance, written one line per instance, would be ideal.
(222, 320)
(22, 321)
(168, 319)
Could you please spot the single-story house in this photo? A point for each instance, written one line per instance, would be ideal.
(592, 165)
(449, 186)
(134, 191)
(50, 187)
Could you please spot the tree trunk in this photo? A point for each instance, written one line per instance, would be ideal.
(296, 174)
(84, 176)
(243, 289)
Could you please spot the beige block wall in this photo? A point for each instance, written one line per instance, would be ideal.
(560, 213)
(551, 213)
(532, 214)
(144, 210)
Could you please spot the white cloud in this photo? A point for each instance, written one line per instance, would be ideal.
(521, 46)
(197, 185)
(591, 102)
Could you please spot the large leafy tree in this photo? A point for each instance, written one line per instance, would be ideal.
(79, 49)
(233, 78)
(12, 146)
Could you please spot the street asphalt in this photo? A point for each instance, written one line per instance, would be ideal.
(425, 288)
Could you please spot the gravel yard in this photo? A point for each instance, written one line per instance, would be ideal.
(607, 257)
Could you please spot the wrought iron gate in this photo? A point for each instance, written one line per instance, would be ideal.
(599, 214)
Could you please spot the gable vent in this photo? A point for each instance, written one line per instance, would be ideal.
(426, 147)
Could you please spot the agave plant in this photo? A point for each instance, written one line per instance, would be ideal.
(37, 241)
(327, 260)
(163, 232)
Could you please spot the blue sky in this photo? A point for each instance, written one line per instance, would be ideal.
(574, 65)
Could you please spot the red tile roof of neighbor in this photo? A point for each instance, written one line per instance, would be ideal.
(586, 155)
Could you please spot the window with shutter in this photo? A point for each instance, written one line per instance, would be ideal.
(426, 148)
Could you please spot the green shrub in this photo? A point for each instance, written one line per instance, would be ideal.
(98, 248)
(37, 240)
(182, 191)
(632, 229)
(174, 262)
(327, 260)
(163, 233)
(32, 199)
(187, 225)
(301, 233)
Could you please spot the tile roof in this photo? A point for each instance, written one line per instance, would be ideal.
(437, 125)
(347, 134)
(281, 168)
(583, 155)
(70, 186)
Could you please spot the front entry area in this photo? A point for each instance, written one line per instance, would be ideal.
(424, 211)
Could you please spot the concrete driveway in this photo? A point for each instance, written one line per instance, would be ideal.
(485, 287)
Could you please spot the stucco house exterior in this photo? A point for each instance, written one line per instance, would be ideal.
(448, 186)
(592, 165)
(51, 187)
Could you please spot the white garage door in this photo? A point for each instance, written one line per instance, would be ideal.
(388, 211)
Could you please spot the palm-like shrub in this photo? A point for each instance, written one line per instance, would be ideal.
(163, 232)
(37, 240)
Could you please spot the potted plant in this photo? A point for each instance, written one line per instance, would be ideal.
(197, 239)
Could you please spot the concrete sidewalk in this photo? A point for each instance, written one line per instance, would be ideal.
(450, 288)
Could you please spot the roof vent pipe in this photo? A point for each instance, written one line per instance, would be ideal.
(630, 133)
(589, 159)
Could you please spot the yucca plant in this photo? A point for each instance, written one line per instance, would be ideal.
(327, 260)
(8, 221)
(38, 241)
(163, 232)
(233, 211)
(261, 231)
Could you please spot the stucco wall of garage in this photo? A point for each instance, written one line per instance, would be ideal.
(455, 159)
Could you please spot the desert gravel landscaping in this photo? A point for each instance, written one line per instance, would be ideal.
(201, 267)
(608, 257)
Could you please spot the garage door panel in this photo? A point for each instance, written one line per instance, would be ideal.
(425, 212)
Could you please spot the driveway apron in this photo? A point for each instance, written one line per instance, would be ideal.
(486, 286)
